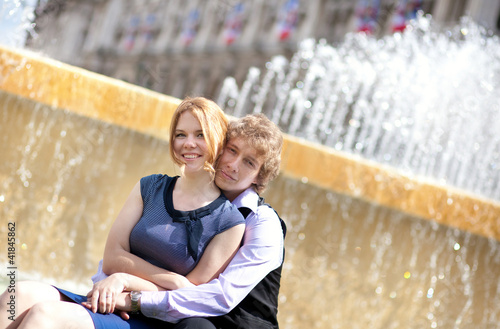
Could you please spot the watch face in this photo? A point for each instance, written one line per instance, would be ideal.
(135, 297)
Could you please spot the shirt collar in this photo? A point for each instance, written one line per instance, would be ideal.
(248, 198)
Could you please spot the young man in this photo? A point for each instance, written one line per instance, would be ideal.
(245, 295)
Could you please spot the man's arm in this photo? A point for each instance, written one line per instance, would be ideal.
(262, 252)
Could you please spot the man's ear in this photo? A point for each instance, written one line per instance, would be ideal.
(256, 178)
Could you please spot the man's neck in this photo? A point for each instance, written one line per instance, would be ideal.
(231, 195)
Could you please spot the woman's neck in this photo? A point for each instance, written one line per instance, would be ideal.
(194, 191)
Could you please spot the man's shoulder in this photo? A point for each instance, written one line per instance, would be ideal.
(266, 209)
(266, 215)
(248, 198)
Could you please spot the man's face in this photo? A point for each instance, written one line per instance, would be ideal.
(238, 168)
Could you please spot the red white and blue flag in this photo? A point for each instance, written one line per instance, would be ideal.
(287, 19)
(234, 23)
(146, 28)
(130, 33)
(406, 10)
(367, 12)
(190, 27)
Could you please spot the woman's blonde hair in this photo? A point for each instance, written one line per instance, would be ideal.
(266, 138)
(213, 122)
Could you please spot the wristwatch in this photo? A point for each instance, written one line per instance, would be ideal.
(135, 297)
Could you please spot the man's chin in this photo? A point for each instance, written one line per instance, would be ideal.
(227, 185)
(221, 182)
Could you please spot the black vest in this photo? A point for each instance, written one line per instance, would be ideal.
(260, 308)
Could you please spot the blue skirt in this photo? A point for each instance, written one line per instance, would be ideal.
(114, 321)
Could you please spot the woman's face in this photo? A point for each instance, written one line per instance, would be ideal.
(189, 143)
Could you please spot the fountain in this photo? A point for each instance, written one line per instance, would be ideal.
(392, 104)
(383, 232)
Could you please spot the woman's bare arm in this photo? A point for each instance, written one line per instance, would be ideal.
(117, 256)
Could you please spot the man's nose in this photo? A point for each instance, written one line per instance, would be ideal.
(233, 165)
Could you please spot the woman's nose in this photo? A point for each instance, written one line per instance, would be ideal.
(190, 142)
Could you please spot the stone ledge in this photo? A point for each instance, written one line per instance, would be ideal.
(63, 86)
(326, 168)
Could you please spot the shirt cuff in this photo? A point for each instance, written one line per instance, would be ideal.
(154, 304)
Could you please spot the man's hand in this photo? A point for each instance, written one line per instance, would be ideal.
(124, 305)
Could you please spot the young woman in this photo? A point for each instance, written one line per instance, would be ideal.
(183, 224)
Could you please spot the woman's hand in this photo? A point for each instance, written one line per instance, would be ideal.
(103, 296)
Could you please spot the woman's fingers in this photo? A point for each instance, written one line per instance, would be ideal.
(106, 302)
(110, 303)
(94, 300)
(102, 301)
(102, 297)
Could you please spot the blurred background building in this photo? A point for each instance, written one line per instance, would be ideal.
(188, 47)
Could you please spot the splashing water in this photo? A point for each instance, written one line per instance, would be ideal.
(425, 102)
(16, 21)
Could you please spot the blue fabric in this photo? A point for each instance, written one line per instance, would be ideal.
(114, 321)
(173, 239)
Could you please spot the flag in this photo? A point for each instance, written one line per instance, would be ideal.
(233, 24)
(287, 19)
(406, 10)
(130, 33)
(146, 28)
(190, 26)
(366, 15)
